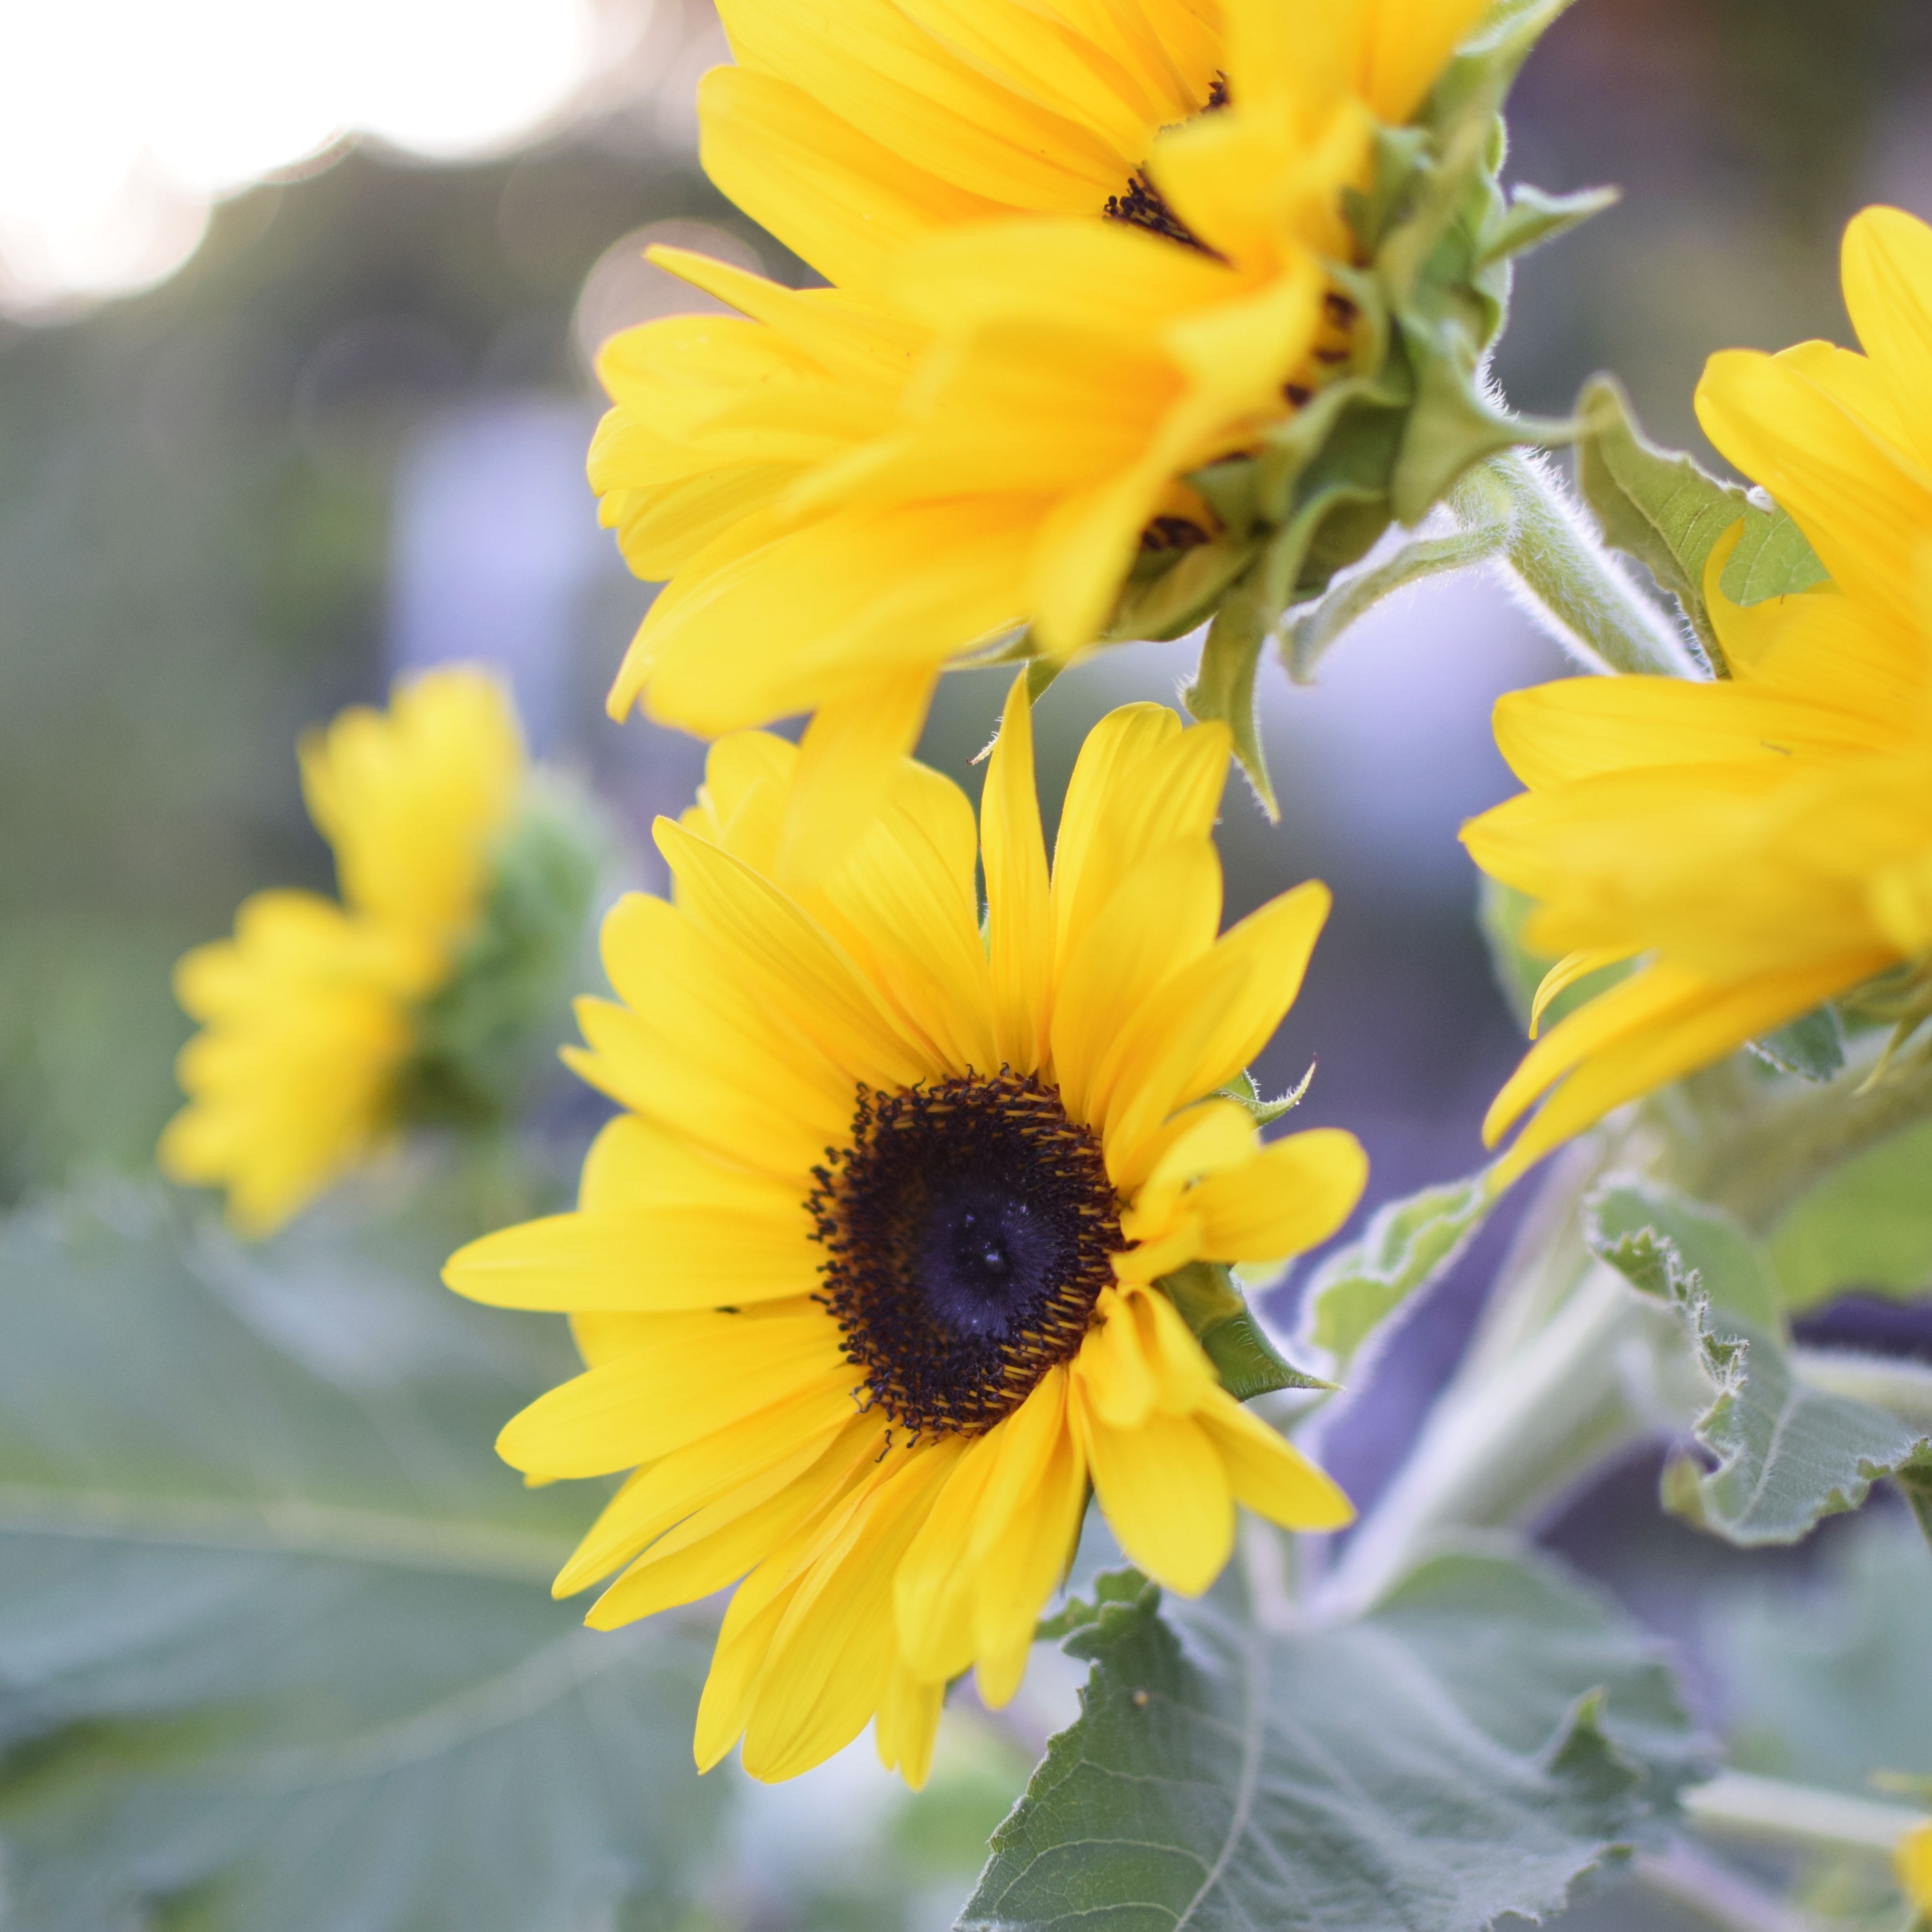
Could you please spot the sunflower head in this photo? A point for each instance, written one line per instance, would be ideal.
(328, 1025)
(1139, 317)
(871, 1274)
(1753, 846)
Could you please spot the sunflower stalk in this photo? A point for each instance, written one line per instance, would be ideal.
(1573, 585)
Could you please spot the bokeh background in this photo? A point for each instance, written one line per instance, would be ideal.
(283, 411)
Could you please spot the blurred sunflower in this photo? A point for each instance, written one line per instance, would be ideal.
(1763, 844)
(1915, 1868)
(866, 1275)
(309, 1013)
(1080, 251)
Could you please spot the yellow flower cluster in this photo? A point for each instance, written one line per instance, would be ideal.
(307, 1012)
(1076, 249)
(1762, 843)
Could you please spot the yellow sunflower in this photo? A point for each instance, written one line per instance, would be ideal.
(866, 1274)
(1079, 251)
(1915, 1868)
(1763, 844)
(308, 1012)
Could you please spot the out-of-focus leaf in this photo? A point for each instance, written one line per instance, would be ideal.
(1534, 217)
(1813, 1047)
(1408, 1244)
(1830, 1684)
(1486, 1734)
(1867, 1225)
(276, 1646)
(1786, 1453)
(1673, 1248)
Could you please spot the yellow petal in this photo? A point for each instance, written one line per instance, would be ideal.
(1166, 1493)
(1659, 1024)
(660, 1259)
(790, 960)
(1019, 912)
(1162, 916)
(692, 1382)
(834, 196)
(850, 754)
(1269, 1475)
(1887, 266)
(908, 1723)
(1295, 1192)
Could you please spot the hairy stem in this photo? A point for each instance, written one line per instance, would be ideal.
(1740, 1805)
(1567, 578)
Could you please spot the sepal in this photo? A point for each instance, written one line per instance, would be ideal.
(489, 1034)
(1248, 1364)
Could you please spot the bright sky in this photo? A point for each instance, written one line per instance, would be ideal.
(122, 121)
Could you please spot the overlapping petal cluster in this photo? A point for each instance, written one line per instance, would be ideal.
(888, 1528)
(307, 1011)
(1764, 843)
(981, 423)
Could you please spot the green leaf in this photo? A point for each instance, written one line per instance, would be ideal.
(1408, 1244)
(1812, 1047)
(1349, 602)
(277, 1648)
(1867, 1225)
(1485, 1736)
(1242, 1091)
(1656, 504)
(1828, 1685)
(1223, 685)
(1534, 217)
(1247, 1362)
(1678, 1250)
(1773, 558)
(1786, 1454)
(495, 1027)
(1173, 598)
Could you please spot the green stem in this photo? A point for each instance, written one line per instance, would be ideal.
(1567, 577)
(1741, 1805)
(1759, 1167)
(1900, 1388)
(1714, 1894)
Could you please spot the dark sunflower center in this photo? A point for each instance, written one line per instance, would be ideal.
(1143, 205)
(967, 1230)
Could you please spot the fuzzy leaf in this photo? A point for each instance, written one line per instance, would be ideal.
(1827, 1685)
(1407, 1244)
(1223, 685)
(1867, 1225)
(1785, 1454)
(1534, 217)
(1656, 504)
(1486, 1734)
(277, 1648)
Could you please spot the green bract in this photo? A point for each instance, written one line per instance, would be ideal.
(1383, 439)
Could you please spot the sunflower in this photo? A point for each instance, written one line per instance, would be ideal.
(1915, 1868)
(309, 1013)
(867, 1274)
(1079, 250)
(1764, 843)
